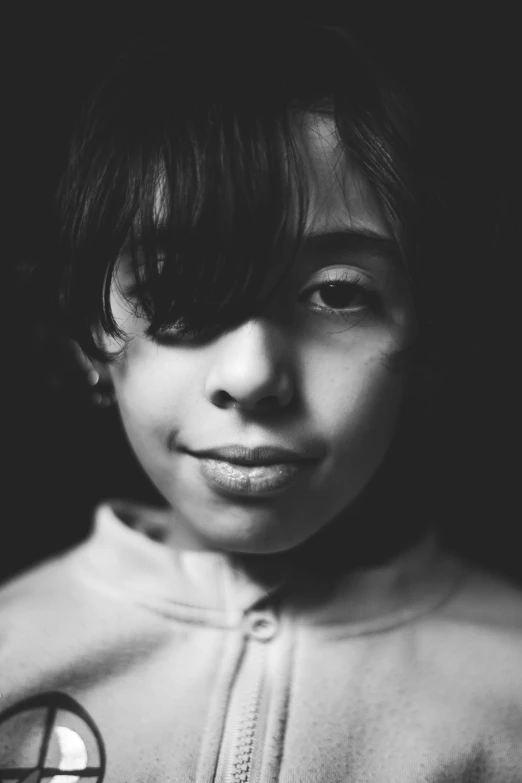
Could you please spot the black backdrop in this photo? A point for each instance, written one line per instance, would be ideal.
(62, 455)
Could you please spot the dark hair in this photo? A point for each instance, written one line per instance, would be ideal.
(211, 119)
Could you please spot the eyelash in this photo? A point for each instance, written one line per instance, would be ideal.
(344, 280)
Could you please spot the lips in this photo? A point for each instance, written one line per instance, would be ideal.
(250, 479)
(260, 455)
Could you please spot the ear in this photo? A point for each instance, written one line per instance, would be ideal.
(97, 375)
(88, 365)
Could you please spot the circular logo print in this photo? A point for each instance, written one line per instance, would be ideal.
(50, 738)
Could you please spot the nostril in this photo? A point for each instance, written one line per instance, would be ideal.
(223, 399)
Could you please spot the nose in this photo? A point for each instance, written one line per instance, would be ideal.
(251, 369)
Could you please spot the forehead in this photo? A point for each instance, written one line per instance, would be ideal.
(340, 195)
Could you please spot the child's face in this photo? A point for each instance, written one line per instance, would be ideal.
(299, 378)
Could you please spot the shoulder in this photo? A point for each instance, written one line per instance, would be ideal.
(468, 656)
(60, 623)
(31, 586)
(474, 641)
(35, 609)
(485, 603)
(38, 597)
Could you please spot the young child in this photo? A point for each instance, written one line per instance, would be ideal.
(243, 276)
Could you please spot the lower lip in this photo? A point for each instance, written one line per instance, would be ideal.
(253, 479)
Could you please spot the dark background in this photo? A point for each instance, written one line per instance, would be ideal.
(62, 454)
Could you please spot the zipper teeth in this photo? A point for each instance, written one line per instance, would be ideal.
(240, 764)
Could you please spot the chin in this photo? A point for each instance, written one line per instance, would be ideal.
(254, 539)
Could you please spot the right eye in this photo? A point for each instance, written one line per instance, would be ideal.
(343, 294)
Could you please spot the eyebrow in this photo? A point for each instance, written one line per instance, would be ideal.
(351, 240)
(333, 241)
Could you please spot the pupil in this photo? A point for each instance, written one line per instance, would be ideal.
(338, 296)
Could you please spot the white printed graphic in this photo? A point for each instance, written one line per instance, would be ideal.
(73, 754)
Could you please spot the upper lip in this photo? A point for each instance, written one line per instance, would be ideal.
(260, 455)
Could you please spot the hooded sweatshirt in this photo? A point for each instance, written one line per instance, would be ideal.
(127, 661)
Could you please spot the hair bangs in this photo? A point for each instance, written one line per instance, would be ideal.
(219, 215)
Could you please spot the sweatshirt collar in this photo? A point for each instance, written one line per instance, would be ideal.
(124, 555)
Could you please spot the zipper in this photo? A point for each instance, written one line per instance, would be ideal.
(243, 728)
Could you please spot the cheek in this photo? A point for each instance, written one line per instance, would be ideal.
(357, 401)
(150, 383)
(151, 389)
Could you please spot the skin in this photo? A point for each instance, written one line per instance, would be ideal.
(295, 377)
